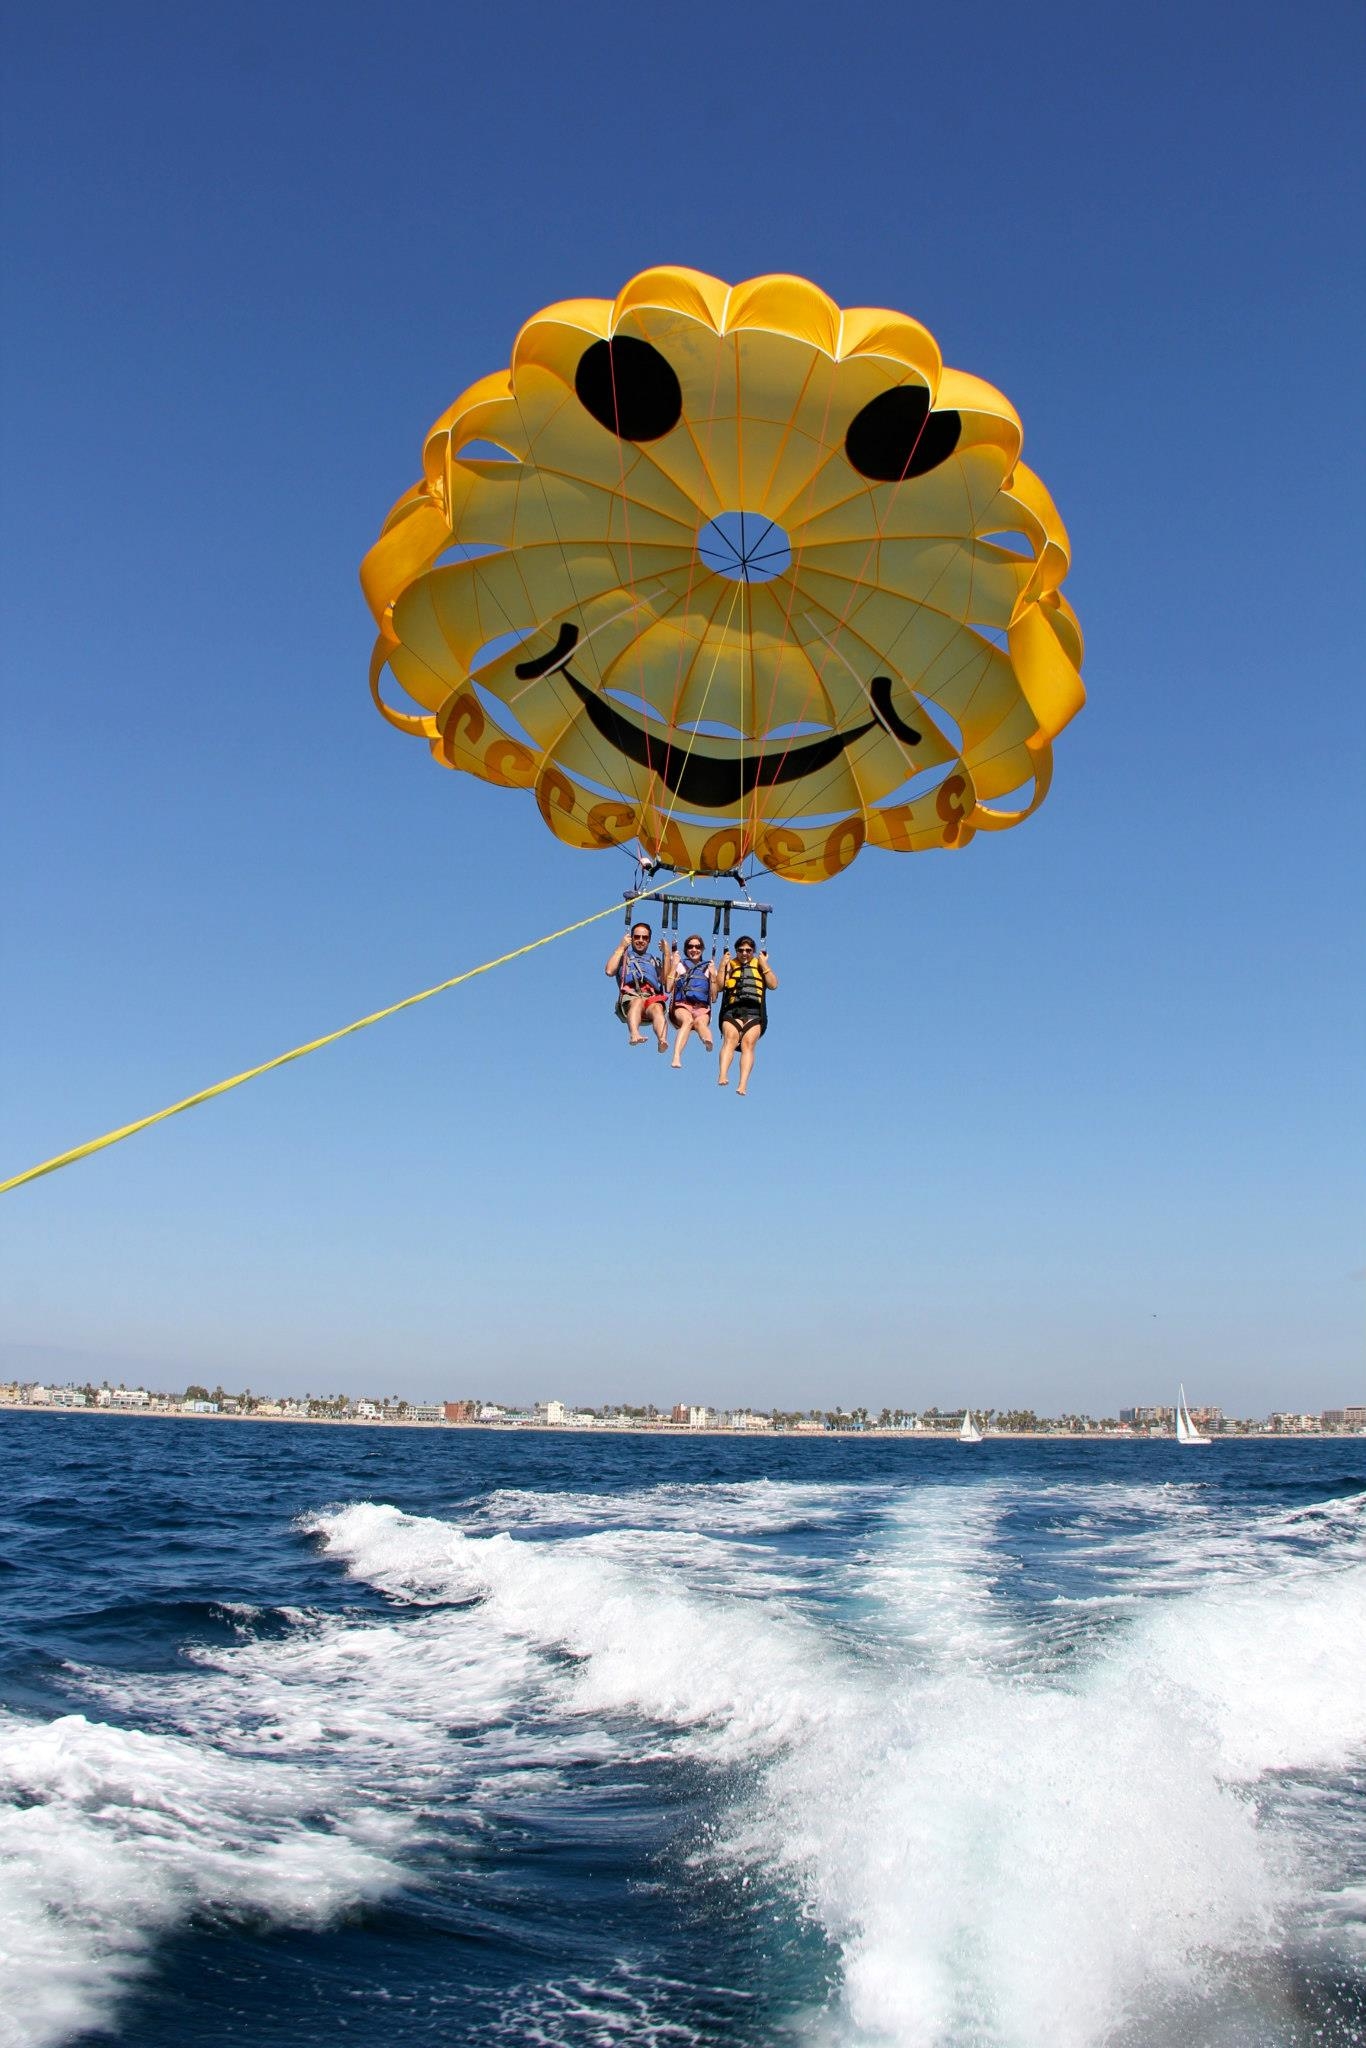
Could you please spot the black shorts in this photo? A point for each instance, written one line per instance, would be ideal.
(744, 1016)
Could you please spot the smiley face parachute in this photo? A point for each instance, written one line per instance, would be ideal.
(729, 573)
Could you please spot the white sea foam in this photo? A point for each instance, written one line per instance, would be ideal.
(715, 1537)
(934, 1575)
(629, 2008)
(744, 1507)
(1001, 1847)
(659, 1651)
(373, 1694)
(109, 1835)
(1000, 1857)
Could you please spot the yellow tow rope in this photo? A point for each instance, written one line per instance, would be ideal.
(283, 1059)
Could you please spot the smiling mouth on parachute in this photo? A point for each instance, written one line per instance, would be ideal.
(712, 782)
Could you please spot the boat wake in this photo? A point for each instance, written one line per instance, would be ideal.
(1076, 1786)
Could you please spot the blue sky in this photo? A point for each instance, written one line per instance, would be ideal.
(1053, 1122)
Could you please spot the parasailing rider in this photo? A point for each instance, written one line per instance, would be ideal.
(691, 995)
(642, 978)
(744, 982)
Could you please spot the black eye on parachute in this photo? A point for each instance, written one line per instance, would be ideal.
(629, 388)
(897, 436)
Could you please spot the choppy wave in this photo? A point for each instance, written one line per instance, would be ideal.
(1057, 1763)
(958, 1826)
(110, 1835)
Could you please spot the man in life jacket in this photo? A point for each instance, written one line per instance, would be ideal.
(641, 978)
(745, 982)
(691, 995)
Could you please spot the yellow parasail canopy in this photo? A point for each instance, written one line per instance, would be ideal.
(729, 572)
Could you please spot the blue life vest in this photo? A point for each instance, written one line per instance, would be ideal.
(640, 973)
(693, 984)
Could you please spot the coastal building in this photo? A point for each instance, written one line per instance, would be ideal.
(122, 1397)
(700, 1418)
(744, 1418)
(555, 1413)
(1344, 1418)
(460, 1411)
(68, 1397)
(368, 1411)
(427, 1411)
(199, 1407)
(1144, 1418)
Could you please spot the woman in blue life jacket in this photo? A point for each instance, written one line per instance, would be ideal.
(744, 983)
(641, 978)
(691, 995)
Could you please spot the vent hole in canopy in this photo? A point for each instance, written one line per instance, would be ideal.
(744, 546)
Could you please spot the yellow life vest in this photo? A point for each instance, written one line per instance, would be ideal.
(745, 984)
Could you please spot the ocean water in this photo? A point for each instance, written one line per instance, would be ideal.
(397, 1736)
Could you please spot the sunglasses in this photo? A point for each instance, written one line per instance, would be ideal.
(692, 949)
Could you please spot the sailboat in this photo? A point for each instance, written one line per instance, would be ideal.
(969, 1433)
(1186, 1431)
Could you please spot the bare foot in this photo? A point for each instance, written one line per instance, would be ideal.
(635, 1041)
(676, 1063)
(742, 1090)
(662, 1044)
(723, 1080)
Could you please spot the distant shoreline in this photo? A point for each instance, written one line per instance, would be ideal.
(670, 1429)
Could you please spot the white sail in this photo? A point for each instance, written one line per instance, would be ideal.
(969, 1433)
(1186, 1431)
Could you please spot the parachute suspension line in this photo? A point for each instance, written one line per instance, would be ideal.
(605, 767)
(492, 595)
(742, 584)
(702, 709)
(746, 711)
(630, 559)
(844, 660)
(683, 661)
(298, 1052)
(813, 681)
(855, 585)
(918, 604)
(635, 604)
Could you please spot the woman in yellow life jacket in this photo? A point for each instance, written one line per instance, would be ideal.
(745, 982)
